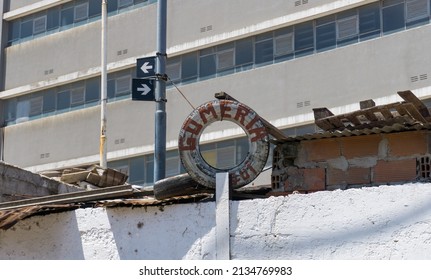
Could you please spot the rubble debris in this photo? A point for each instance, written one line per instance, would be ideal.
(89, 178)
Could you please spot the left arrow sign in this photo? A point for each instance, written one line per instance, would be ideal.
(143, 89)
(146, 67)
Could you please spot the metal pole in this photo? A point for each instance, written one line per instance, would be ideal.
(103, 89)
(160, 115)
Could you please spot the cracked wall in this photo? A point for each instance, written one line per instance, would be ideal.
(386, 222)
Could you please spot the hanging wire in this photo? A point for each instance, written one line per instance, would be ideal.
(169, 79)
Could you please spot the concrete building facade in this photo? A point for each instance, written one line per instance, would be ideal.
(281, 58)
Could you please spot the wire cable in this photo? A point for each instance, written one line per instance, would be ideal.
(169, 79)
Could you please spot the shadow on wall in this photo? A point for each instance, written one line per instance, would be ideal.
(39, 238)
(164, 233)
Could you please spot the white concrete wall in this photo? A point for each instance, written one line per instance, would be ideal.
(388, 222)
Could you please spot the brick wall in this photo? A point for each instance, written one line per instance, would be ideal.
(354, 161)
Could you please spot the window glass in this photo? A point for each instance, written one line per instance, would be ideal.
(22, 109)
(137, 170)
(14, 30)
(242, 148)
(111, 89)
(39, 25)
(92, 91)
(369, 21)
(67, 16)
(393, 18)
(94, 8)
(283, 44)
(63, 100)
(207, 65)
(112, 5)
(27, 29)
(417, 11)
(77, 96)
(81, 12)
(189, 66)
(124, 3)
(10, 112)
(36, 105)
(304, 38)
(264, 51)
(225, 158)
(149, 170)
(244, 51)
(123, 85)
(173, 68)
(225, 56)
(325, 36)
(53, 19)
(347, 27)
(49, 101)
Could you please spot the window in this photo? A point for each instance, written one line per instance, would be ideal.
(67, 16)
(81, 12)
(347, 27)
(207, 63)
(369, 21)
(264, 49)
(77, 96)
(225, 57)
(36, 106)
(39, 25)
(26, 28)
(283, 42)
(304, 38)
(244, 52)
(123, 85)
(124, 3)
(173, 68)
(92, 90)
(49, 101)
(189, 70)
(325, 33)
(417, 11)
(22, 110)
(393, 15)
(63, 100)
(137, 170)
(53, 19)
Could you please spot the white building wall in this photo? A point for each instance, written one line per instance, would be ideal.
(388, 222)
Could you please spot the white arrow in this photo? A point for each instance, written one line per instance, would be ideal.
(145, 67)
(145, 89)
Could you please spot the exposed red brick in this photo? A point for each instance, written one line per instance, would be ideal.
(395, 171)
(407, 143)
(352, 176)
(360, 146)
(312, 179)
(320, 150)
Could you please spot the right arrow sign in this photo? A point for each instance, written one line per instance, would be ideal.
(143, 90)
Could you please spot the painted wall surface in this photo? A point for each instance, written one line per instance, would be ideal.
(387, 222)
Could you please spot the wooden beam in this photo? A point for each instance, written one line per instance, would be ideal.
(272, 130)
(75, 197)
(409, 96)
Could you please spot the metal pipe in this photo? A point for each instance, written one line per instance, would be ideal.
(103, 91)
(160, 115)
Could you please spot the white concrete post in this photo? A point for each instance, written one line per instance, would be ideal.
(222, 217)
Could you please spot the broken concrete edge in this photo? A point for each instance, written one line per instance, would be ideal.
(12, 176)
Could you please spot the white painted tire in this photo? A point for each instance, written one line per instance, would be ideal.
(220, 110)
